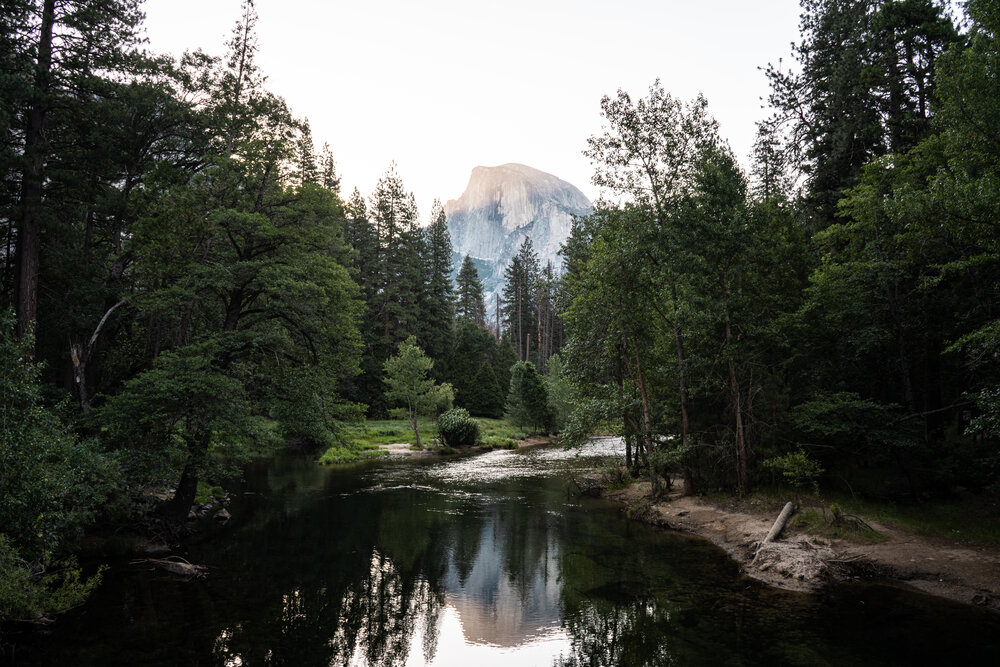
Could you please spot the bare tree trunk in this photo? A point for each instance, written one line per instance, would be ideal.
(29, 238)
(80, 355)
(416, 428)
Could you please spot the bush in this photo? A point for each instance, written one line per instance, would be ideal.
(458, 429)
(798, 469)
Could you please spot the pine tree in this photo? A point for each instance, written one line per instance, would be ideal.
(393, 213)
(469, 306)
(328, 177)
(437, 312)
(520, 308)
(527, 401)
(307, 171)
(361, 235)
(59, 49)
(485, 397)
(863, 89)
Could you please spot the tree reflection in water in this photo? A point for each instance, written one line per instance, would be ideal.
(439, 564)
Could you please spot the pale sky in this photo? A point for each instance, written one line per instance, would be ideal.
(441, 86)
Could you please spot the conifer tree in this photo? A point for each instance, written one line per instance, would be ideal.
(485, 397)
(393, 213)
(360, 234)
(437, 312)
(307, 171)
(469, 306)
(520, 308)
(328, 177)
(54, 51)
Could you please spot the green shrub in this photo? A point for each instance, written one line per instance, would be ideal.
(498, 442)
(798, 469)
(458, 429)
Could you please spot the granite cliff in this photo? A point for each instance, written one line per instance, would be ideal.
(503, 205)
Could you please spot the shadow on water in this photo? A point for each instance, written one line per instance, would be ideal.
(484, 560)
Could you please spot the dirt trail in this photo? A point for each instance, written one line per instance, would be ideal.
(800, 562)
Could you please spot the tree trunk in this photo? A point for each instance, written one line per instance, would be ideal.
(742, 456)
(187, 487)
(29, 241)
(416, 428)
(80, 355)
(779, 523)
(682, 386)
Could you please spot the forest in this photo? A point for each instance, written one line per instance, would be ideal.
(184, 285)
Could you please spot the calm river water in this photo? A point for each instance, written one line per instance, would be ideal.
(479, 561)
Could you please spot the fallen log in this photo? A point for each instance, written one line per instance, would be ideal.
(779, 523)
(174, 565)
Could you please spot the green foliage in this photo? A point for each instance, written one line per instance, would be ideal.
(797, 468)
(51, 487)
(519, 308)
(558, 392)
(338, 455)
(483, 395)
(31, 593)
(498, 442)
(836, 525)
(527, 401)
(848, 423)
(408, 382)
(469, 306)
(457, 428)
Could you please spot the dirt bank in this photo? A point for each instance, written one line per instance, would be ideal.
(800, 562)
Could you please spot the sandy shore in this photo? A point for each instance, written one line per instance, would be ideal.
(800, 562)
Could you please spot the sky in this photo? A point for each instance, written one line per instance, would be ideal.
(441, 86)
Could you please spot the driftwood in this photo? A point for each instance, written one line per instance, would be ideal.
(779, 523)
(174, 565)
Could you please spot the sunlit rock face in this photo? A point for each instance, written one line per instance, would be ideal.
(503, 205)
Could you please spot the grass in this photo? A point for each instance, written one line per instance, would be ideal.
(337, 454)
(208, 492)
(362, 440)
(970, 521)
(830, 524)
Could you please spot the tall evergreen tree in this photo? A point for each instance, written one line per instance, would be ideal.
(307, 170)
(520, 308)
(55, 49)
(469, 306)
(328, 177)
(863, 89)
(367, 387)
(437, 313)
(393, 213)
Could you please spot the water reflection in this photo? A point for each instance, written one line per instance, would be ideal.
(483, 561)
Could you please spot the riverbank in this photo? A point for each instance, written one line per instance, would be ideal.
(802, 562)
(406, 450)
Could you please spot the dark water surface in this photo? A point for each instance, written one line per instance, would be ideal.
(480, 561)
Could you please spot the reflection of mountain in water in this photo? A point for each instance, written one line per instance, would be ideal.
(482, 561)
(498, 607)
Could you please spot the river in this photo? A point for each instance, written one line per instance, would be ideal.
(479, 561)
